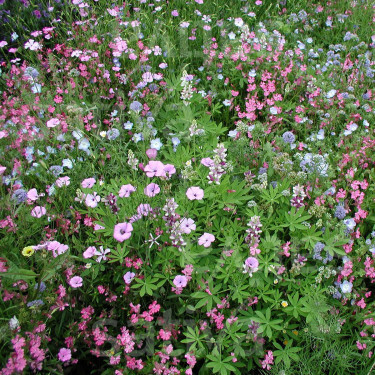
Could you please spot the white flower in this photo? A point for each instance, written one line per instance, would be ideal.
(238, 22)
(346, 287)
(32, 45)
(14, 323)
(226, 102)
(67, 163)
(101, 254)
(232, 35)
(156, 143)
(350, 223)
(330, 94)
(84, 144)
(36, 88)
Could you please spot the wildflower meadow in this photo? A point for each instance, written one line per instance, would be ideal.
(187, 187)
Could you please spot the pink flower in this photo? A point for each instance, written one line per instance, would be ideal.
(126, 190)
(206, 239)
(64, 355)
(88, 183)
(63, 181)
(89, 253)
(174, 13)
(195, 193)
(144, 209)
(128, 277)
(75, 282)
(38, 211)
(152, 153)
(180, 281)
(252, 262)
(152, 189)
(154, 168)
(32, 194)
(92, 200)
(187, 225)
(169, 169)
(207, 162)
(122, 231)
(2, 169)
(53, 122)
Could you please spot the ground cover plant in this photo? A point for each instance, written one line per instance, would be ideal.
(187, 187)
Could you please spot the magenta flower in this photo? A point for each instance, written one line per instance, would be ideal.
(152, 189)
(64, 355)
(88, 183)
(122, 231)
(76, 282)
(180, 281)
(90, 252)
(206, 239)
(187, 225)
(128, 277)
(92, 200)
(195, 193)
(38, 211)
(126, 190)
(154, 168)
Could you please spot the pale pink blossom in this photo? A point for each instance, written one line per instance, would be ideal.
(38, 211)
(122, 231)
(206, 239)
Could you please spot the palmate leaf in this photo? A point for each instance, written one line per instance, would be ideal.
(237, 194)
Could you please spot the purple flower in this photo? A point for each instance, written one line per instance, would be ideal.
(152, 189)
(289, 137)
(122, 231)
(180, 281)
(76, 282)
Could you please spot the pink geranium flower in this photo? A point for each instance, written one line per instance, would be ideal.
(64, 355)
(32, 194)
(63, 181)
(128, 277)
(88, 183)
(154, 168)
(92, 199)
(53, 122)
(38, 211)
(169, 169)
(122, 231)
(180, 281)
(76, 282)
(187, 225)
(151, 190)
(206, 239)
(90, 252)
(195, 193)
(126, 190)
